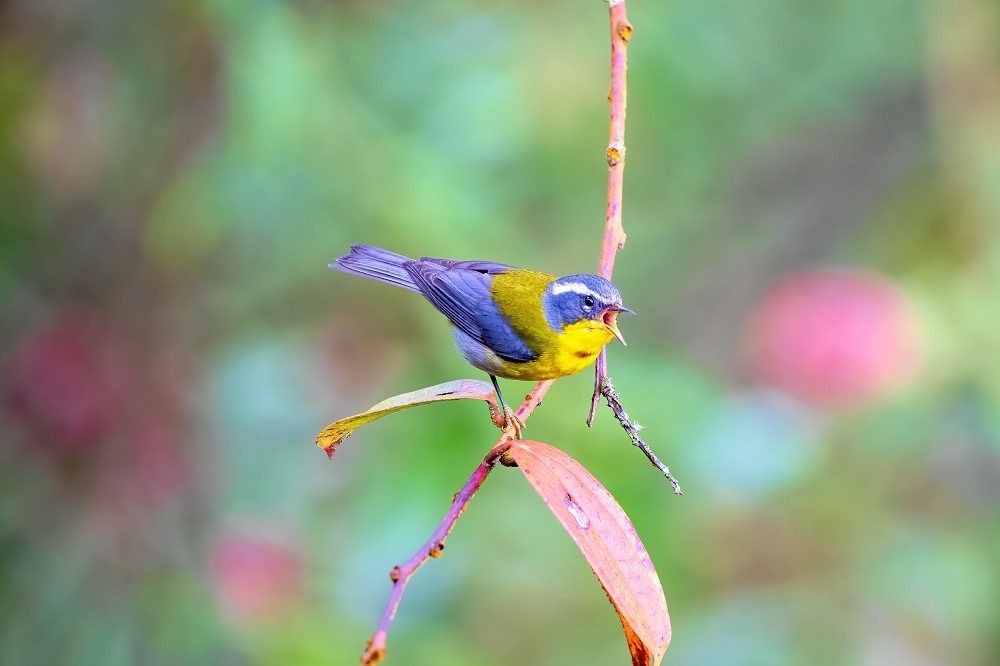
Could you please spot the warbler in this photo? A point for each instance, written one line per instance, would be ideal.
(509, 322)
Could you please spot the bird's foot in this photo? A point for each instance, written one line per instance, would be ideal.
(512, 420)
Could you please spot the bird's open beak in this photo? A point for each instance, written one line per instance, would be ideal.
(611, 321)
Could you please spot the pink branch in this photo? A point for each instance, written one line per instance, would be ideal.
(400, 575)
(614, 234)
(614, 240)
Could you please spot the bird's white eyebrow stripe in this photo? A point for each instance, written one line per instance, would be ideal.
(575, 287)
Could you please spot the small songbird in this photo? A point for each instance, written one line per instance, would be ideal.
(509, 322)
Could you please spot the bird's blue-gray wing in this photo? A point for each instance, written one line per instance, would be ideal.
(488, 267)
(463, 296)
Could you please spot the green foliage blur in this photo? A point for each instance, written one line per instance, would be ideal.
(812, 201)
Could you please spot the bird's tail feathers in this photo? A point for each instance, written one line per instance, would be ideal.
(377, 264)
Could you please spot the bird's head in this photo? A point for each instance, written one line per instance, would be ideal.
(576, 298)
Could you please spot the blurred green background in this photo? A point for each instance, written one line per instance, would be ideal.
(813, 207)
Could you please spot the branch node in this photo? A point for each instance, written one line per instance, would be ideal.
(615, 153)
(372, 656)
(625, 32)
(395, 574)
(437, 551)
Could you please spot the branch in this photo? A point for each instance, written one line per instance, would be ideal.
(614, 233)
(607, 389)
(614, 240)
(400, 575)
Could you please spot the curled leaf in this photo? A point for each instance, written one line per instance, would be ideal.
(338, 431)
(608, 541)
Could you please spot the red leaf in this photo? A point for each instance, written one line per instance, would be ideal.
(608, 541)
(338, 431)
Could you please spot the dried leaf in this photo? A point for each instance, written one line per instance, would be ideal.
(338, 431)
(607, 540)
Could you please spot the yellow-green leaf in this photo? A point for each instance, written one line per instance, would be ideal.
(459, 389)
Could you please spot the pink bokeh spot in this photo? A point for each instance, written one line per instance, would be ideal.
(835, 338)
(65, 384)
(257, 580)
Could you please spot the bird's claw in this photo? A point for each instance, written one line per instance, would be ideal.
(512, 420)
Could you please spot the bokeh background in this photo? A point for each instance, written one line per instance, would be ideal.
(813, 206)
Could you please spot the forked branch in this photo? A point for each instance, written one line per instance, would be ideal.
(400, 575)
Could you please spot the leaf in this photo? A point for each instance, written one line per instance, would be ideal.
(335, 433)
(608, 541)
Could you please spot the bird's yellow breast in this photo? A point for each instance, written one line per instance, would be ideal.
(564, 354)
(559, 353)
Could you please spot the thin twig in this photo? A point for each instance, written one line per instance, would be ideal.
(614, 234)
(600, 378)
(400, 575)
(611, 395)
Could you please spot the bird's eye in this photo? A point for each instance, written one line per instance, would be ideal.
(588, 301)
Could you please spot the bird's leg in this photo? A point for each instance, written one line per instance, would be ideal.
(510, 418)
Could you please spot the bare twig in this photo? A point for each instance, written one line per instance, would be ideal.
(400, 575)
(614, 240)
(607, 389)
(614, 234)
(600, 377)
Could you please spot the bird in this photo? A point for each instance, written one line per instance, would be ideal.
(508, 322)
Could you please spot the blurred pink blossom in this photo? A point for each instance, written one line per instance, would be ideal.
(65, 384)
(834, 338)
